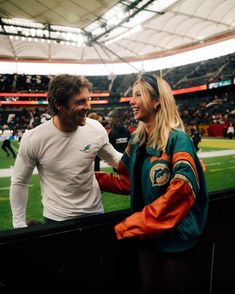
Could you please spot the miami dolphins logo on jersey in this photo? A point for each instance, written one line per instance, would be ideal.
(86, 148)
(159, 174)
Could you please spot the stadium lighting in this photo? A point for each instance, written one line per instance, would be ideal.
(124, 17)
(118, 22)
(32, 31)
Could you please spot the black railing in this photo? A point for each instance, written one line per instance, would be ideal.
(83, 255)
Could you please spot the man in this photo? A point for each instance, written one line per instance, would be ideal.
(119, 136)
(6, 144)
(63, 150)
(96, 116)
(196, 136)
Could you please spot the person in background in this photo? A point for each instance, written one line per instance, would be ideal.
(169, 200)
(63, 149)
(230, 131)
(94, 115)
(196, 137)
(119, 135)
(20, 135)
(6, 144)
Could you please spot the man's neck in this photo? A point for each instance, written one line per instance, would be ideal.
(61, 125)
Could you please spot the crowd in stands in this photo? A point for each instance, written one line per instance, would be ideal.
(208, 109)
(203, 109)
(22, 120)
(215, 107)
(204, 72)
(23, 83)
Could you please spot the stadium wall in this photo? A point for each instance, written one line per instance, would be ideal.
(83, 255)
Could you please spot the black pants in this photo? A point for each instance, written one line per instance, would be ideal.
(230, 136)
(163, 273)
(6, 145)
(97, 163)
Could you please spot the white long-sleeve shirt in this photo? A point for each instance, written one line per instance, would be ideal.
(65, 163)
(6, 135)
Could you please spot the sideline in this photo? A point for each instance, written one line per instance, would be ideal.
(215, 153)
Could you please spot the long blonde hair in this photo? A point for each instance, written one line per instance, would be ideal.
(167, 116)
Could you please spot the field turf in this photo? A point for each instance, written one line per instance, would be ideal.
(220, 175)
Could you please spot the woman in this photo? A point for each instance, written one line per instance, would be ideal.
(169, 200)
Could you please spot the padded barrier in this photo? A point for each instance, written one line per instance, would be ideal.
(83, 255)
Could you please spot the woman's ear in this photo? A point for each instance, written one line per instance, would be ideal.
(58, 107)
(157, 105)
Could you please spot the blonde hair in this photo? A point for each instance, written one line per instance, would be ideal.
(167, 116)
(94, 115)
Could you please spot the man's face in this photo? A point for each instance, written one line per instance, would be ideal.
(76, 110)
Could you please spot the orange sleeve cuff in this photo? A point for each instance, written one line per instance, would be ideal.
(113, 183)
(160, 216)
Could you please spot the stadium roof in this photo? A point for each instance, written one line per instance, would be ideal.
(106, 38)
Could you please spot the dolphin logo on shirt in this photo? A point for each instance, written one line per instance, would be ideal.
(85, 148)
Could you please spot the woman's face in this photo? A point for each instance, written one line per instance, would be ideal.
(140, 111)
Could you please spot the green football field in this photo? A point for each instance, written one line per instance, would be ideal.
(220, 174)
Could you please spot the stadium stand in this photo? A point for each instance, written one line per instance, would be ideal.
(205, 72)
(212, 106)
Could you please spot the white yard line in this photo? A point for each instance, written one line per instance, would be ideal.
(14, 148)
(7, 172)
(216, 153)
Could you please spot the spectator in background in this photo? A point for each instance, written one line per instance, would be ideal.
(6, 144)
(196, 136)
(230, 131)
(169, 202)
(96, 116)
(44, 117)
(119, 135)
(63, 149)
(20, 134)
